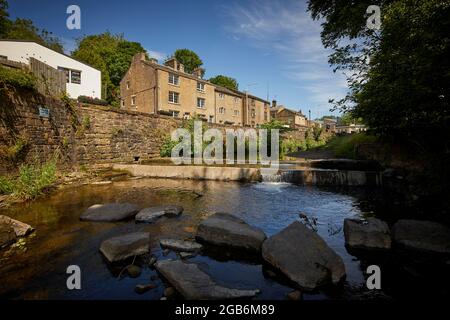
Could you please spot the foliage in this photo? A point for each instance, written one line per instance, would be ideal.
(33, 180)
(189, 59)
(399, 75)
(112, 55)
(15, 152)
(225, 81)
(276, 124)
(24, 29)
(167, 146)
(345, 146)
(348, 118)
(90, 100)
(17, 78)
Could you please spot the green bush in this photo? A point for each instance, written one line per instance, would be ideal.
(96, 101)
(17, 78)
(166, 147)
(33, 180)
(345, 146)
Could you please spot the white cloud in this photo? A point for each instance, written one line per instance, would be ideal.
(157, 55)
(286, 28)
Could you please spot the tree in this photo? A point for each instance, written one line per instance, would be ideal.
(4, 21)
(189, 59)
(225, 81)
(112, 55)
(399, 81)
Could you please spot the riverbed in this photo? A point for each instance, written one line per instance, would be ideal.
(37, 269)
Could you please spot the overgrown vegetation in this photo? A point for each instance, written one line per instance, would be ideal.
(17, 78)
(32, 181)
(95, 101)
(15, 152)
(345, 146)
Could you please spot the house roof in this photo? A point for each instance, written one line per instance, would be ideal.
(281, 108)
(62, 53)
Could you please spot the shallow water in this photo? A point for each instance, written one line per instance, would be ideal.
(61, 239)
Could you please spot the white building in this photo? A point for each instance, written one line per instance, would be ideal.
(82, 79)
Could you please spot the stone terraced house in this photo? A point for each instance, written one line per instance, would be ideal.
(167, 89)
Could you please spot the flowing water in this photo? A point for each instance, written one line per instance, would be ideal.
(37, 270)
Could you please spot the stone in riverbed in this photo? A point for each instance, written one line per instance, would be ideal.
(423, 236)
(152, 214)
(223, 229)
(21, 229)
(142, 288)
(134, 271)
(110, 212)
(180, 245)
(367, 234)
(126, 246)
(194, 284)
(7, 235)
(303, 257)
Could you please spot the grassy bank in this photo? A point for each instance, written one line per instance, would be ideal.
(345, 146)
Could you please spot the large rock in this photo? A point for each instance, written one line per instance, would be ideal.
(21, 229)
(126, 246)
(223, 229)
(194, 284)
(367, 234)
(422, 236)
(154, 213)
(180, 245)
(110, 212)
(303, 257)
(7, 235)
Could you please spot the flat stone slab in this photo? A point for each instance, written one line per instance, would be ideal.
(194, 284)
(21, 229)
(369, 234)
(422, 236)
(110, 212)
(7, 235)
(152, 214)
(304, 257)
(223, 229)
(180, 245)
(126, 246)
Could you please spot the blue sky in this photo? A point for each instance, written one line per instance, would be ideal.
(267, 45)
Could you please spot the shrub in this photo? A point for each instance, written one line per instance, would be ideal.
(17, 78)
(6, 185)
(166, 147)
(90, 100)
(345, 146)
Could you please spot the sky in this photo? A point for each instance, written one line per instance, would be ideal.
(271, 47)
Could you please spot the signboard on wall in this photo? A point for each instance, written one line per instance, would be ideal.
(44, 112)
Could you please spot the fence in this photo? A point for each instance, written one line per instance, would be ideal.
(50, 81)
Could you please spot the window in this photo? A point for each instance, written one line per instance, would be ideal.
(200, 103)
(174, 97)
(128, 85)
(67, 73)
(221, 95)
(252, 102)
(200, 86)
(222, 110)
(174, 79)
(122, 103)
(186, 115)
(133, 100)
(265, 116)
(236, 100)
(75, 76)
(236, 112)
(253, 113)
(3, 57)
(211, 119)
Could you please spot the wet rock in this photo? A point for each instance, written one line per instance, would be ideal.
(223, 229)
(126, 246)
(294, 295)
(143, 288)
(21, 229)
(169, 292)
(134, 271)
(367, 234)
(110, 212)
(424, 236)
(186, 255)
(7, 235)
(152, 214)
(303, 257)
(194, 284)
(180, 245)
(165, 252)
(152, 262)
(163, 298)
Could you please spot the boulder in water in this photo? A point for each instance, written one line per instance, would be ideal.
(367, 234)
(110, 212)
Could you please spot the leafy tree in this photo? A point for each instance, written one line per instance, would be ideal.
(4, 21)
(112, 55)
(189, 59)
(225, 81)
(348, 118)
(399, 79)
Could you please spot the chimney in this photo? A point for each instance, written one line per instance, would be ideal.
(198, 73)
(153, 60)
(139, 57)
(174, 64)
(274, 103)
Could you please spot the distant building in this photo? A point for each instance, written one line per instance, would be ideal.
(82, 79)
(352, 128)
(167, 89)
(294, 119)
